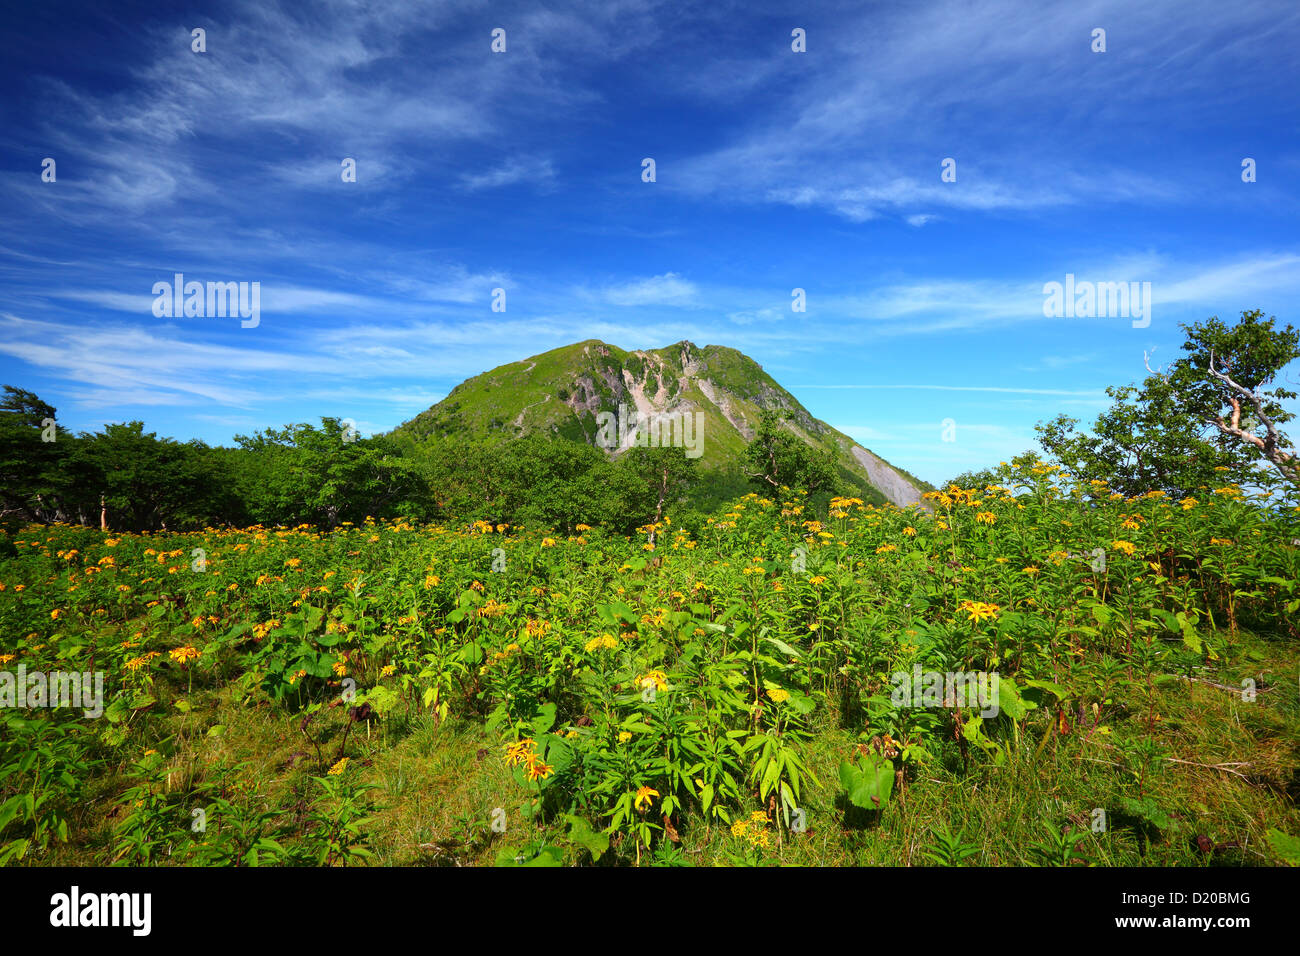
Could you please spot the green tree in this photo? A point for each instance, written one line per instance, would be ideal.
(325, 475)
(1193, 425)
(1145, 441)
(777, 456)
(30, 466)
(651, 479)
(143, 482)
(1222, 382)
(984, 477)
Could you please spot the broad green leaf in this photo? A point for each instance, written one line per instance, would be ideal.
(868, 782)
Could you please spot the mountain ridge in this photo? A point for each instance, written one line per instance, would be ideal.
(570, 391)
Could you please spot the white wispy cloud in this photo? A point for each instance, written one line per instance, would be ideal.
(861, 125)
(536, 172)
(666, 289)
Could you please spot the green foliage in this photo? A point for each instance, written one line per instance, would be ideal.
(724, 691)
(949, 849)
(869, 781)
(29, 465)
(44, 763)
(1169, 433)
(778, 458)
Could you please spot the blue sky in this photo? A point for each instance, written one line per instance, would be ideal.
(523, 170)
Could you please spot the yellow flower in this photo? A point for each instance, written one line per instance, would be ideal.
(978, 610)
(1128, 547)
(603, 643)
(909, 531)
(139, 662)
(54, 615)
(339, 767)
(644, 797)
(183, 655)
(986, 517)
(520, 751)
(492, 608)
(624, 736)
(1031, 570)
(778, 695)
(548, 542)
(538, 770)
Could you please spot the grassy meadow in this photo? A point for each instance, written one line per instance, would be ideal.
(723, 694)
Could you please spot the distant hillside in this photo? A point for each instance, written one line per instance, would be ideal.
(563, 392)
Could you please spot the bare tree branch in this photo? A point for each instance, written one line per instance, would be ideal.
(1270, 445)
(1146, 360)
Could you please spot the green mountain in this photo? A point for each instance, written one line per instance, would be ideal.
(578, 391)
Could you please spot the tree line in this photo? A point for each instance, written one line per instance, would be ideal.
(1208, 419)
(128, 479)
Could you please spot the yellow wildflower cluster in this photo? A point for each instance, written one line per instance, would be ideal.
(136, 663)
(658, 679)
(753, 829)
(525, 752)
(261, 630)
(603, 643)
(492, 608)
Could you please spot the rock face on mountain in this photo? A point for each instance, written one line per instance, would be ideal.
(594, 392)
